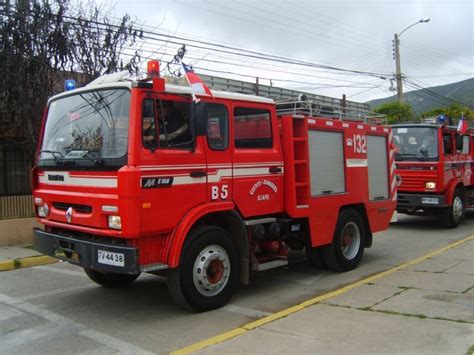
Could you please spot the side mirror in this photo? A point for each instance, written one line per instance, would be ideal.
(459, 142)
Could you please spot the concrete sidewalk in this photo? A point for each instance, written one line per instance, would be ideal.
(15, 257)
(422, 307)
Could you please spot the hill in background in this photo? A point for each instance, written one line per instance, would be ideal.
(431, 98)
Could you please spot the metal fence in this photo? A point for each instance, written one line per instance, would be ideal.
(16, 162)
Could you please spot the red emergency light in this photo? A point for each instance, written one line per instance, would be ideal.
(153, 73)
(153, 69)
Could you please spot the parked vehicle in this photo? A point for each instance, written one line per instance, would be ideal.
(135, 176)
(435, 163)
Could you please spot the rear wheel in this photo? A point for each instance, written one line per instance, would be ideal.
(110, 279)
(347, 247)
(455, 212)
(209, 270)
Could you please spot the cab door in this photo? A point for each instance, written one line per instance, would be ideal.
(172, 176)
(215, 118)
(257, 159)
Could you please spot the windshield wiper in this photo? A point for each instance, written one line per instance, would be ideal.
(94, 157)
(54, 154)
(82, 153)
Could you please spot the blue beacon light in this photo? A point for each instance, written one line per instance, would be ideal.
(69, 85)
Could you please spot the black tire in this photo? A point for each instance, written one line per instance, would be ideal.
(455, 212)
(212, 250)
(316, 257)
(340, 256)
(110, 279)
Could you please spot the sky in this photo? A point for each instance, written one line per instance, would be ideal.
(345, 34)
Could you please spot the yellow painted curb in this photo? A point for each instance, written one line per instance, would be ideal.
(211, 341)
(7, 265)
(286, 312)
(20, 263)
(36, 261)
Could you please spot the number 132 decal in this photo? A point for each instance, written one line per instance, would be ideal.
(360, 144)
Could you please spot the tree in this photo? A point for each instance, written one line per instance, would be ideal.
(396, 112)
(46, 41)
(454, 111)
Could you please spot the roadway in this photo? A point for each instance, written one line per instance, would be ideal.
(56, 309)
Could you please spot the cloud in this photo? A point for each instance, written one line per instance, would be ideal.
(342, 33)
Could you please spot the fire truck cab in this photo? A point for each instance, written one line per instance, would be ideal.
(435, 164)
(135, 176)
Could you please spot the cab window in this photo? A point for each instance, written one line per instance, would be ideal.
(166, 124)
(174, 126)
(217, 130)
(252, 128)
(465, 146)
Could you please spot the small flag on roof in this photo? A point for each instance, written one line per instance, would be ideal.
(462, 125)
(195, 82)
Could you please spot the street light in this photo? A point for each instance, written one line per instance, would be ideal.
(396, 43)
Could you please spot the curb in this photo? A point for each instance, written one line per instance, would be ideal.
(31, 261)
(7, 265)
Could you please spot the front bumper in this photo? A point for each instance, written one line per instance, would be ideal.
(408, 201)
(85, 253)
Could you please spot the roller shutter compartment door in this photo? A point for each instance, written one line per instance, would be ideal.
(378, 167)
(326, 156)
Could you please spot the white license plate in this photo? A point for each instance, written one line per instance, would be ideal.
(430, 200)
(110, 258)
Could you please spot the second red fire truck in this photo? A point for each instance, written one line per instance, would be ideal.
(135, 176)
(435, 163)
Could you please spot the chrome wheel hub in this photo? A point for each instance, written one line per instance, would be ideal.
(457, 208)
(350, 240)
(211, 270)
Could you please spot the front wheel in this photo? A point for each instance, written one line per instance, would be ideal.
(209, 270)
(347, 247)
(110, 279)
(455, 212)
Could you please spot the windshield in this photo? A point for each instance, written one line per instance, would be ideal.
(418, 143)
(87, 129)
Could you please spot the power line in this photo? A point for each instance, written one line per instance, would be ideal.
(437, 95)
(231, 50)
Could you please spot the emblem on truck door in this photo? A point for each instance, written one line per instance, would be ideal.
(69, 215)
(55, 177)
(159, 181)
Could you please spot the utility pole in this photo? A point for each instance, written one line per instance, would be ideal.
(396, 45)
(398, 74)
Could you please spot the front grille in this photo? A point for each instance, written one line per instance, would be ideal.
(411, 182)
(78, 208)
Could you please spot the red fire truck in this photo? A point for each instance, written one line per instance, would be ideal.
(435, 164)
(134, 176)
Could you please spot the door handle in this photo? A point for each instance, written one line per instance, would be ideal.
(198, 174)
(275, 170)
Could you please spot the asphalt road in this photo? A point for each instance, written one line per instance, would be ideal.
(56, 309)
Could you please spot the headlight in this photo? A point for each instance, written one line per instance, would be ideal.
(115, 222)
(430, 185)
(43, 211)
